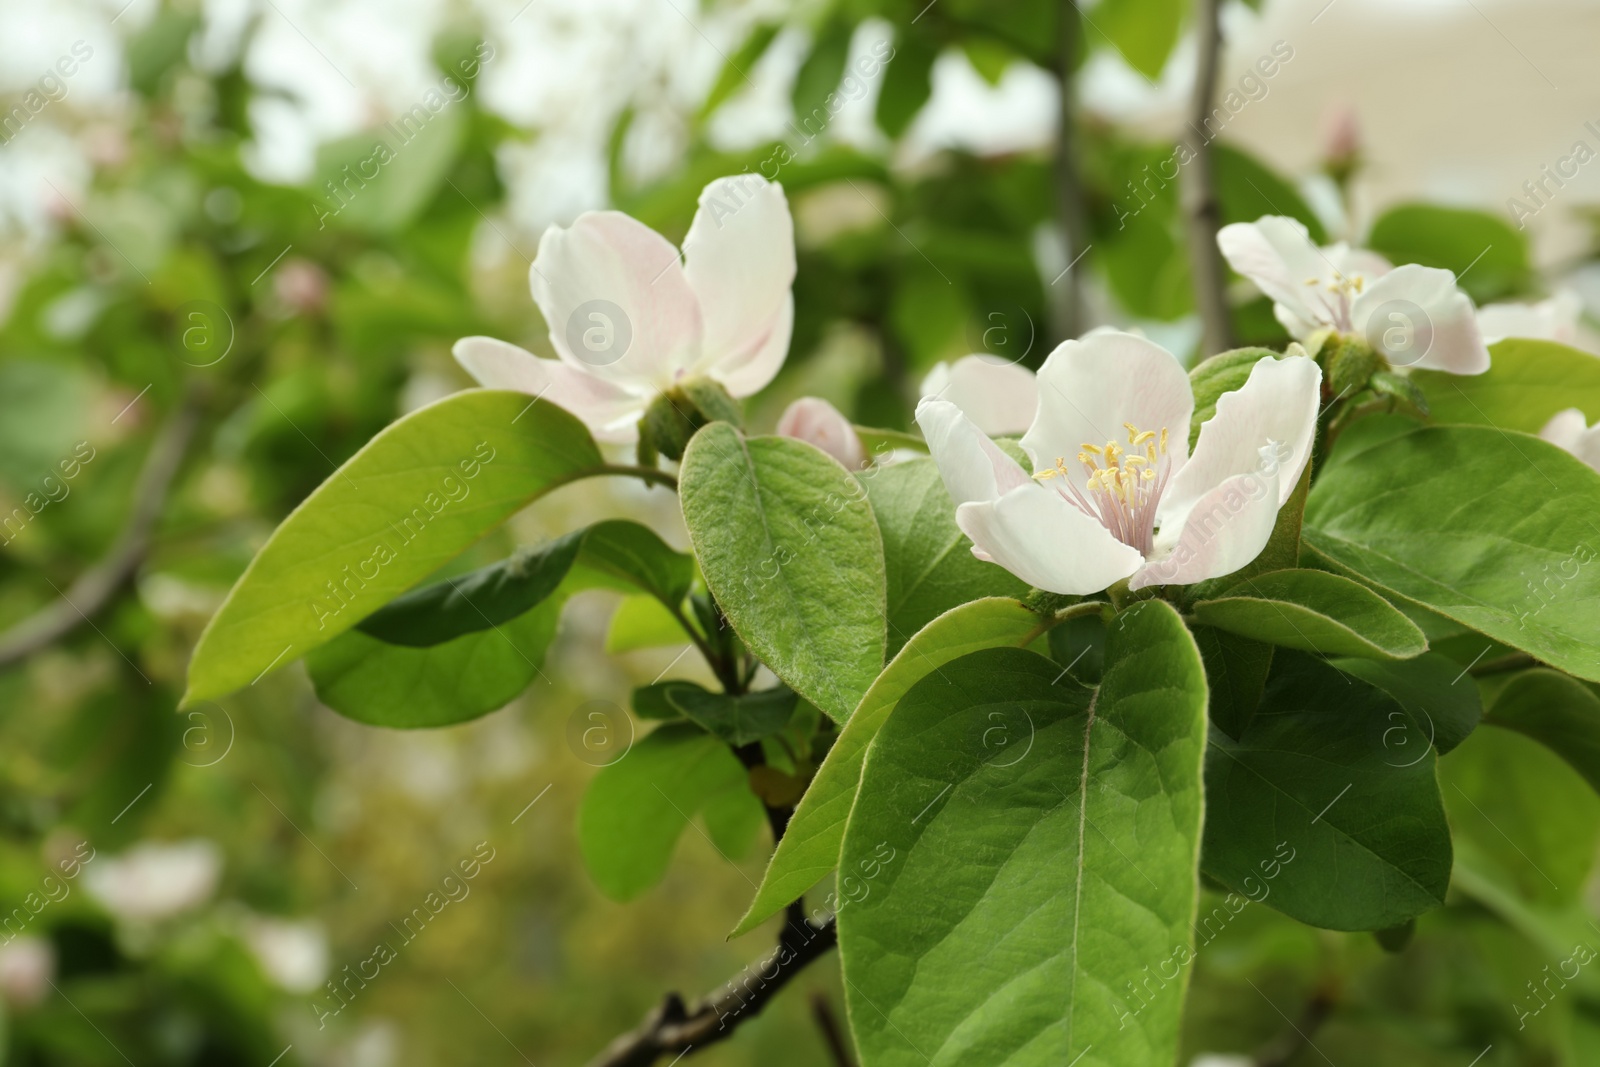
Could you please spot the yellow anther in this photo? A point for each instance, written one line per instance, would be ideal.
(1147, 474)
(1090, 448)
(1135, 460)
(1163, 438)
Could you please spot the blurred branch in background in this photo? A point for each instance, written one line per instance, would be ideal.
(1202, 210)
(95, 587)
(1073, 220)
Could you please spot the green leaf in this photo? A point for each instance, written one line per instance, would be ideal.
(1249, 189)
(1526, 384)
(380, 181)
(738, 720)
(1314, 611)
(637, 807)
(1007, 896)
(789, 547)
(1370, 845)
(409, 687)
(642, 622)
(735, 73)
(1144, 31)
(820, 74)
(1557, 711)
(907, 82)
(478, 600)
(1465, 520)
(1523, 809)
(928, 561)
(1236, 670)
(1455, 239)
(1437, 693)
(635, 554)
(809, 848)
(413, 498)
(1225, 372)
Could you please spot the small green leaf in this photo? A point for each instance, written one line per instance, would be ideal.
(413, 498)
(1557, 711)
(1004, 895)
(1526, 384)
(809, 848)
(1455, 239)
(1143, 31)
(642, 622)
(789, 547)
(735, 73)
(738, 720)
(1490, 528)
(1225, 372)
(820, 74)
(1249, 189)
(636, 555)
(928, 561)
(637, 807)
(1370, 844)
(907, 82)
(1314, 611)
(1236, 670)
(1437, 692)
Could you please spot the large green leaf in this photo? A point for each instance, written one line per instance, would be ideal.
(1488, 255)
(788, 545)
(1368, 836)
(1314, 611)
(1236, 671)
(637, 807)
(417, 495)
(928, 560)
(1466, 520)
(1527, 382)
(1557, 711)
(1437, 692)
(809, 848)
(1007, 895)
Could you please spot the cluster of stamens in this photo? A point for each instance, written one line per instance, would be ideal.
(1343, 291)
(1124, 484)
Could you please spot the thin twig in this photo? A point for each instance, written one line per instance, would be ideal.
(1292, 1042)
(1069, 184)
(95, 587)
(672, 1028)
(1202, 210)
(832, 1033)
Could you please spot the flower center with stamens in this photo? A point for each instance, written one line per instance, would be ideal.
(1337, 296)
(1124, 484)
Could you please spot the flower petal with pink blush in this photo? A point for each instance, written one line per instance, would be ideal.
(1278, 255)
(1416, 317)
(1276, 409)
(617, 301)
(817, 422)
(1570, 431)
(1221, 531)
(1088, 390)
(1000, 398)
(611, 412)
(972, 466)
(750, 374)
(1036, 534)
(739, 261)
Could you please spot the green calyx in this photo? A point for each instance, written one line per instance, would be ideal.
(674, 416)
(1349, 363)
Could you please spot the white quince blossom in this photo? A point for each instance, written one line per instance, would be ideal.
(1553, 319)
(1412, 315)
(817, 422)
(628, 320)
(155, 880)
(1000, 398)
(1135, 505)
(1570, 430)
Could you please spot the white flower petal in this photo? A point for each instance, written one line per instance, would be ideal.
(1222, 531)
(1417, 317)
(617, 300)
(972, 466)
(1089, 388)
(1277, 253)
(1036, 534)
(817, 422)
(1554, 319)
(611, 412)
(752, 373)
(1570, 431)
(739, 260)
(1001, 398)
(1262, 431)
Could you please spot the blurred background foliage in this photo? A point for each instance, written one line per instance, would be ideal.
(169, 282)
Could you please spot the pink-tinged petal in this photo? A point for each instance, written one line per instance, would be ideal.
(819, 423)
(739, 260)
(611, 412)
(1000, 398)
(972, 466)
(1038, 535)
(1570, 431)
(1261, 432)
(1555, 319)
(1278, 255)
(1417, 317)
(617, 301)
(1225, 529)
(1089, 388)
(751, 374)
(1356, 262)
